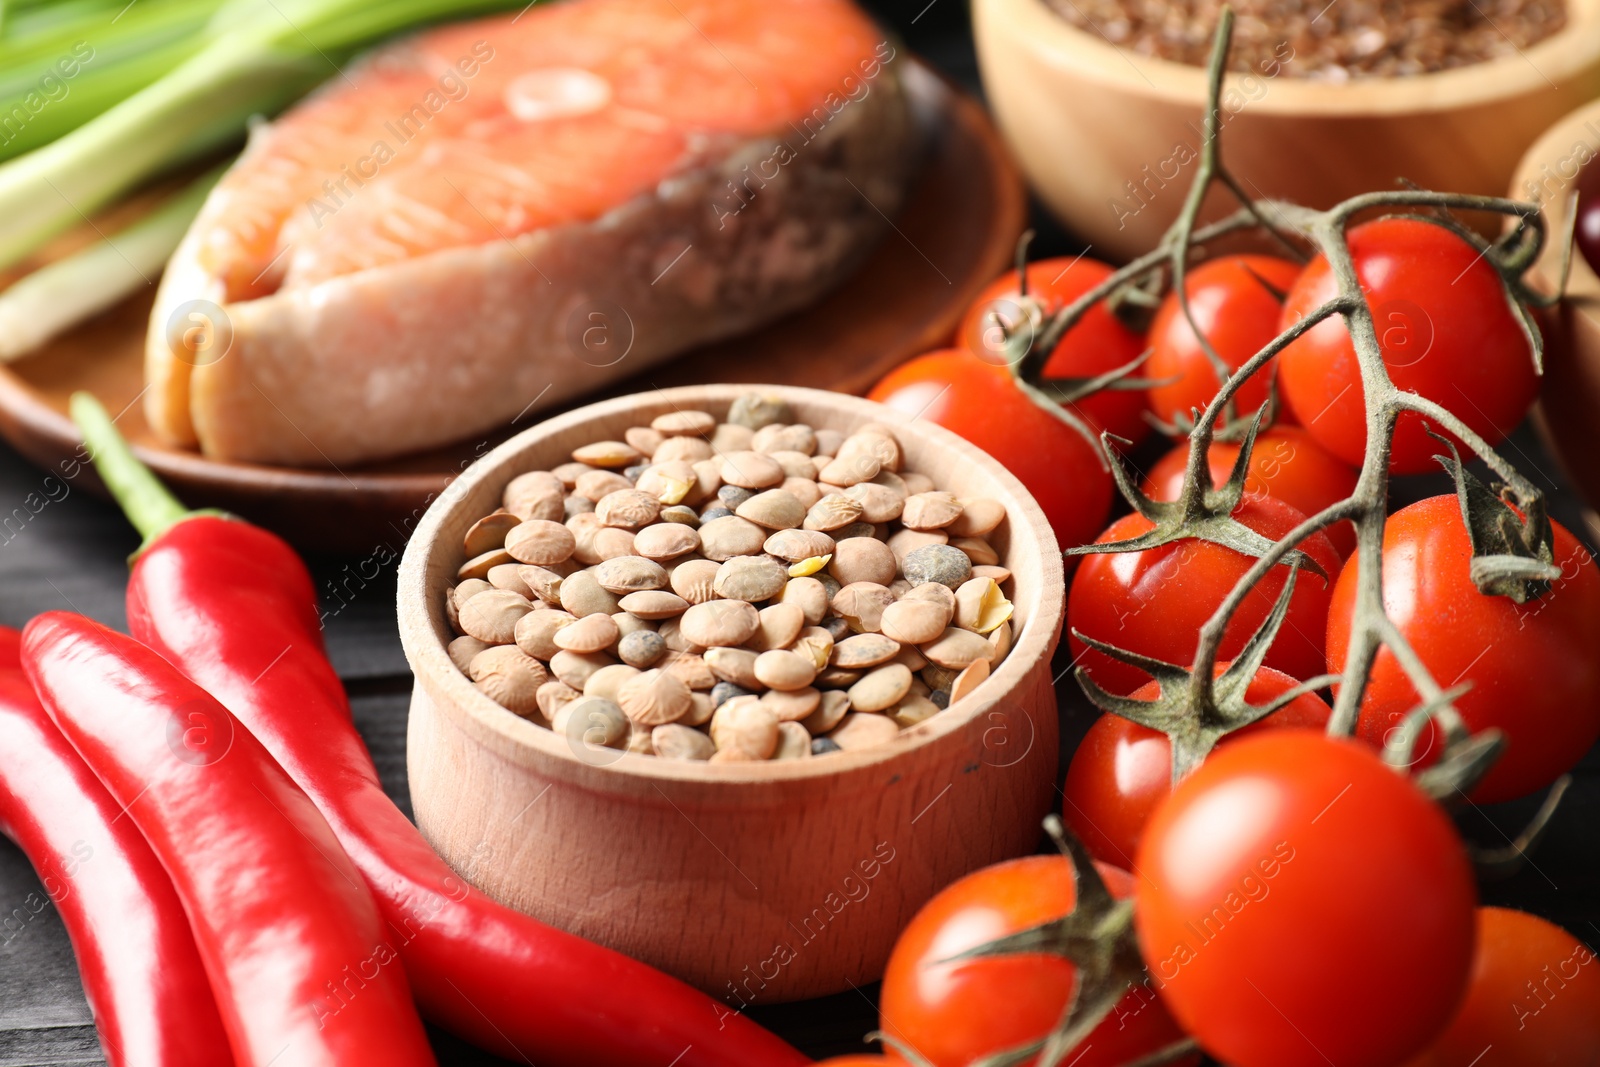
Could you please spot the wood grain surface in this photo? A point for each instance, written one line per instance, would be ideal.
(63, 547)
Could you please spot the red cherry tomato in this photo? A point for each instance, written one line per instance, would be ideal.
(1301, 904)
(1097, 344)
(1237, 314)
(1444, 327)
(961, 392)
(1122, 770)
(952, 1014)
(1533, 667)
(1533, 998)
(857, 1060)
(1154, 602)
(1286, 463)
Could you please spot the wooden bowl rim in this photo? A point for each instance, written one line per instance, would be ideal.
(1551, 61)
(529, 744)
(1583, 284)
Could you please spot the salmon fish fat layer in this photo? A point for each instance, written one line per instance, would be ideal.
(495, 216)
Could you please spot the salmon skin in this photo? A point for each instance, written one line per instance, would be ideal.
(498, 215)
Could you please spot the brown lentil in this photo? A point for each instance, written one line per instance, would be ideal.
(575, 668)
(674, 741)
(666, 540)
(793, 742)
(653, 698)
(864, 650)
(881, 689)
(654, 604)
(630, 574)
(1333, 43)
(627, 508)
(956, 649)
(750, 578)
(480, 565)
(644, 438)
(462, 649)
(582, 594)
(714, 591)
(720, 622)
(491, 616)
(535, 632)
(607, 682)
(775, 509)
(685, 449)
(555, 695)
(856, 731)
(592, 633)
(791, 705)
(863, 604)
(694, 580)
(510, 677)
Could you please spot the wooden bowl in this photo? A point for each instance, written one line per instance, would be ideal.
(755, 882)
(1086, 118)
(1570, 394)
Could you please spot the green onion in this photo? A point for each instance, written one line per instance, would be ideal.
(55, 75)
(257, 57)
(55, 298)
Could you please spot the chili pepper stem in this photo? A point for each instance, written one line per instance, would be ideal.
(148, 504)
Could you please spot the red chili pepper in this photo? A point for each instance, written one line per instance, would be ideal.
(298, 959)
(141, 971)
(234, 607)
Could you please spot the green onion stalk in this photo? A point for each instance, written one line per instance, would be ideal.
(57, 297)
(62, 65)
(255, 57)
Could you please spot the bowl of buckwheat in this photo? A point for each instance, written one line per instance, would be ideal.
(1102, 101)
(698, 664)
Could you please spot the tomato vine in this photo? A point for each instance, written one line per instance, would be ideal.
(1204, 513)
(1511, 534)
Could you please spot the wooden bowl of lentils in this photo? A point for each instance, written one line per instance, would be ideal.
(732, 679)
(1102, 101)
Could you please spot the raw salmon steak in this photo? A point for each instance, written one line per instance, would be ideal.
(498, 215)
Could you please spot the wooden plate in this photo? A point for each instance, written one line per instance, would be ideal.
(956, 233)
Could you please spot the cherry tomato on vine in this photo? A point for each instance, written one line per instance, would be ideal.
(952, 1014)
(1446, 331)
(961, 392)
(1234, 303)
(1286, 463)
(1097, 344)
(1301, 904)
(1122, 770)
(1533, 998)
(1532, 666)
(856, 1060)
(1155, 602)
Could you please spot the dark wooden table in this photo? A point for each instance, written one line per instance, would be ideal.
(72, 554)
